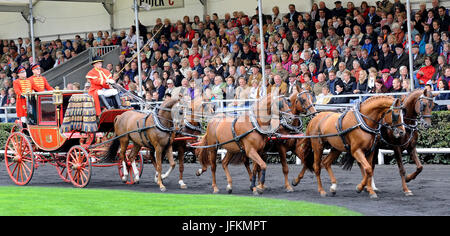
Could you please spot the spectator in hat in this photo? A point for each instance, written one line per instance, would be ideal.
(400, 59)
(47, 61)
(387, 79)
(338, 11)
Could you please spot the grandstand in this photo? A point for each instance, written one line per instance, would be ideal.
(99, 26)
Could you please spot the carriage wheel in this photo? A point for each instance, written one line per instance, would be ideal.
(61, 168)
(79, 166)
(19, 159)
(139, 165)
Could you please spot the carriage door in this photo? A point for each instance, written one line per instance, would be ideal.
(47, 114)
(46, 135)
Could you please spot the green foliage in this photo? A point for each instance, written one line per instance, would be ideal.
(5, 130)
(436, 137)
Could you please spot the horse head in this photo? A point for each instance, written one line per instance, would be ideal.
(170, 113)
(271, 107)
(424, 107)
(303, 103)
(394, 121)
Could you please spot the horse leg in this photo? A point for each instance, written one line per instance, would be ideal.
(181, 152)
(419, 167)
(253, 154)
(327, 162)
(122, 156)
(212, 159)
(373, 170)
(401, 168)
(318, 152)
(249, 171)
(172, 163)
(159, 157)
(282, 151)
(225, 163)
(300, 155)
(367, 177)
(134, 153)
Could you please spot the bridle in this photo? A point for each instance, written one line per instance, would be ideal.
(395, 119)
(303, 102)
(421, 118)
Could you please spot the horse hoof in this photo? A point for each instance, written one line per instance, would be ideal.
(124, 179)
(323, 194)
(333, 194)
(199, 172)
(294, 183)
(182, 184)
(358, 189)
(256, 193)
(163, 189)
(229, 189)
(260, 190)
(216, 191)
(409, 194)
(289, 190)
(373, 196)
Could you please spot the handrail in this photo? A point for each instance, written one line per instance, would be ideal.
(8, 115)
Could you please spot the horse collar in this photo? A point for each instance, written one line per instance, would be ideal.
(158, 123)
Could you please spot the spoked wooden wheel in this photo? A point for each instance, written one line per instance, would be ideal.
(62, 172)
(79, 166)
(19, 159)
(131, 174)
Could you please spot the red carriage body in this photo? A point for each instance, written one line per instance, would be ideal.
(40, 141)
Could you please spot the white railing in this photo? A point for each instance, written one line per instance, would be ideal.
(100, 51)
(8, 113)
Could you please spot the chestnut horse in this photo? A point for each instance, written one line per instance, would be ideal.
(301, 103)
(154, 130)
(192, 127)
(418, 107)
(355, 133)
(242, 137)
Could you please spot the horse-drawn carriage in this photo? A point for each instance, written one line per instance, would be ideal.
(63, 131)
(75, 145)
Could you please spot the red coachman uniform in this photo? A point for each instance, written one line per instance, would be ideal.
(38, 82)
(21, 87)
(98, 78)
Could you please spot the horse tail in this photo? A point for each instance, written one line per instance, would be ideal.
(202, 153)
(347, 162)
(112, 151)
(308, 154)
(238, 158)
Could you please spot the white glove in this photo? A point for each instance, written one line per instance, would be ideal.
(110, 81)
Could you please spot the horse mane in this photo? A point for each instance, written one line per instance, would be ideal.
(376, 98)
(263, 101)
(412, 97)
(169, 104)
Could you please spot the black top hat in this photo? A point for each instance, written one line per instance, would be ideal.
(96, 59)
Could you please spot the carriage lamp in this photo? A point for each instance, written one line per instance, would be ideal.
(57, 97)
(57, 101)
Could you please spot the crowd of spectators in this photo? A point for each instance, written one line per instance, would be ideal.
(336, 50)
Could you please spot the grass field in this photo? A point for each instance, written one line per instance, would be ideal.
(34, 201)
